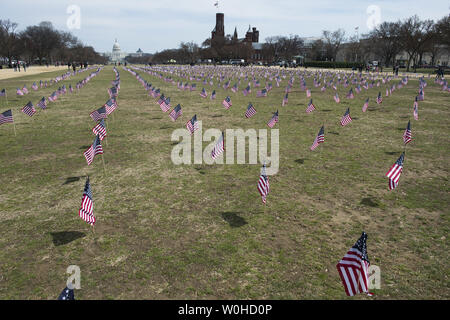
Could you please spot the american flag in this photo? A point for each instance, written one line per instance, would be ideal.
(53, 97)
(42, 103)
(308, 93)
(311, 107)
(407, 137)
(100, 129)
(273, 120)
(86, 211)
(99, 114)
(263, 184)
(227, 102)
(319, 139)
(395, 171)
(350, 94)
(70, 88)
(165, 104)
(366, 105)
(3, 93)
(353, 268)
(192, 124)
(67, 293)
(176, 112)
(203, 93)
(19, 92)
(246, 91)
(234, 88)
(213, 95)
(416, 109)
(6, 117)
(336, 98)
(161, 99)
(112, 92)
(193, 87)
(346, 119)
(379, 98)
(250, 111)
(421, 95)
(29, 109)
(94, 149)
(24, 89)
(285, 100)
(34, 86)
(218, 148)
(110, 106)
(262, 93)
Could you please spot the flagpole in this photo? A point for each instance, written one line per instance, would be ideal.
(104, 167)
(7, 106)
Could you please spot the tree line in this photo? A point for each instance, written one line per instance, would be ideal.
(43, 44)
(413, 36)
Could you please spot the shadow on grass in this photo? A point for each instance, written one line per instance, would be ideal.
(65, 237)
(335, 133)
(301, 161)
(391, 153)
(370, 202)
(73, 179)
(326, 110)
(156, 118)
(217, 116)
(84, 147)
(164, 127)
(233, 219)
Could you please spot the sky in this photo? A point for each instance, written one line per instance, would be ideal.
(157, 25)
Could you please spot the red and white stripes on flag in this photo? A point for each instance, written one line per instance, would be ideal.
(346, 119)
(192, 124)
(273, 120)
(416, 109)
(320, 138)
(250, 111)
(29, 109)
(366, 105)
(219, 148)
(6, 117)
(100, 129)
(353, 268)
(395, 171)
(94, 149)
(407, 136)
(86, 211)
(263, 184)
(311, 107)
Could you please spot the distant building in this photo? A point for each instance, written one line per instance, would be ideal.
(218, 33)
(117, 55)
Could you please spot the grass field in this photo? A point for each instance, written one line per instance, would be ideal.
(200, 231)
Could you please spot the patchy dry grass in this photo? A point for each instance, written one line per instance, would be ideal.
(200, 231)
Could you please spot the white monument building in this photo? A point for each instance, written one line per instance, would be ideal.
(117, 55)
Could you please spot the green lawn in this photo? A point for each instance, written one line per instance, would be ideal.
(201, 231)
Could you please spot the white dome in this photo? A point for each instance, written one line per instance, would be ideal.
(116, 46)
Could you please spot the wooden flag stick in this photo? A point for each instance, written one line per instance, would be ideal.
(103, 160)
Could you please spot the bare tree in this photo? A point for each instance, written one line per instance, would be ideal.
(415, 35)
(9, 40)
(332, 42)
(385, 41)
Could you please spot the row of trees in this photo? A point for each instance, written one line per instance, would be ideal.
(412, 36)
(42, 44)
